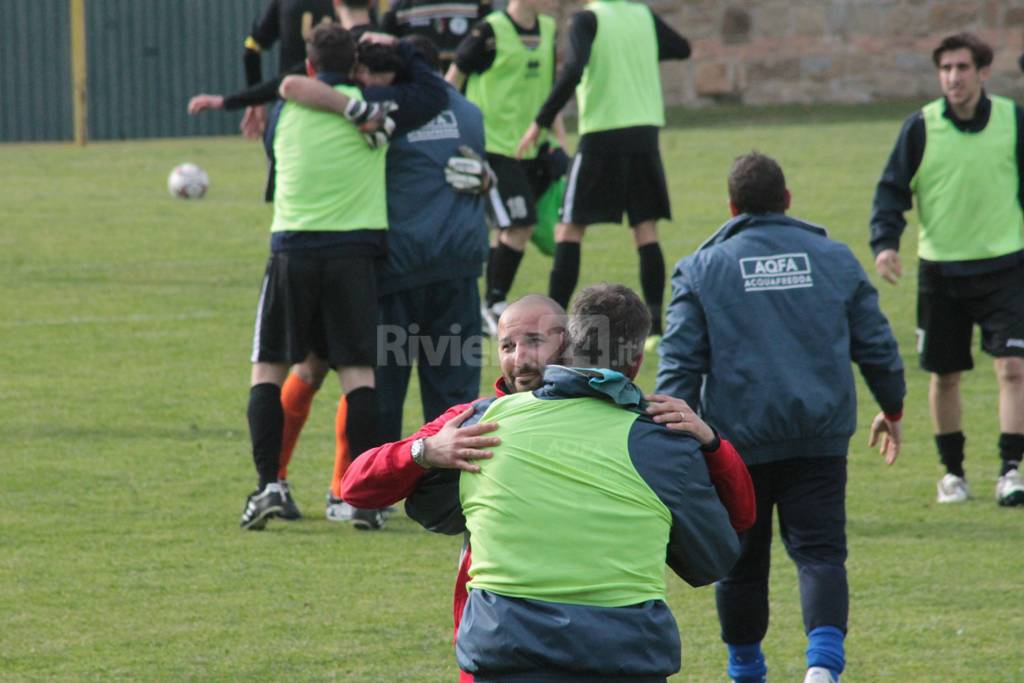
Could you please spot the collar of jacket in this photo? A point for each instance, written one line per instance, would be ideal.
(748, 221)
(610, 385)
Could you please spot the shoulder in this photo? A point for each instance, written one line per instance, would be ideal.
(664, 455)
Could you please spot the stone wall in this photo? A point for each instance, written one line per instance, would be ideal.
(780, 51)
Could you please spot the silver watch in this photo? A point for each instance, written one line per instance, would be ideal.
(419, 453)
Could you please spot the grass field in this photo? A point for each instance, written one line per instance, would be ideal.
(126, 330)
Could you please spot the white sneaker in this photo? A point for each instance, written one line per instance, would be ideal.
(489, 316)
(338, 510)
(1010, 489)
(819, 674)
(952, 489)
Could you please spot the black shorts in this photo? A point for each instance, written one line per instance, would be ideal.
(513, 202)
(603, 186)
(949, 307)
(315, 301)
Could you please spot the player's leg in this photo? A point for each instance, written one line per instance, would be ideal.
(648, 202)
(266, 422)
(812, 523)
(297, 399)
(594, 193)
(565, 266)
(944, 330)
(652, 276)
(1010, 486)
(742, 596)
(1000, 313)
(401, 333)
(349, 307)
(280, 338)
(449, 371)
(512, 206)
(297, 394)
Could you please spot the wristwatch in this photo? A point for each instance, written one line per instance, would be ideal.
(419, 453)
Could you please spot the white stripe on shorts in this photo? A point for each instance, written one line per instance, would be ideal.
(259, 321)
(500, 214)
(570, 189)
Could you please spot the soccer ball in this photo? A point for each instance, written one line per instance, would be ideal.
(188, 181)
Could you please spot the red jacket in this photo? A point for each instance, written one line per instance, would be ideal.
(387, 474)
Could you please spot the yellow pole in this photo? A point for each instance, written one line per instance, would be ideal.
(79, 71)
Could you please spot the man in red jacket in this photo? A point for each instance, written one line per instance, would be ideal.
(531, 335)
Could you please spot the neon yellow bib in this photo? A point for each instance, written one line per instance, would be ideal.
(327, 177)
(512, 90)
(568, 461)
(621, 84)
(967, 187)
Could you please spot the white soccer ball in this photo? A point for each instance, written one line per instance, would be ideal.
(188, 181)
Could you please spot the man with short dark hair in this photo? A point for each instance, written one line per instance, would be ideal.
(429, 300)
(318, 299)
(961, 157)
(765, 319)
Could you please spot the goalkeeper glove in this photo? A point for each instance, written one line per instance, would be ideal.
(469, 173)
(373, 120)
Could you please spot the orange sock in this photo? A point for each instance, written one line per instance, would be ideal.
(296, 400)
(341, 455)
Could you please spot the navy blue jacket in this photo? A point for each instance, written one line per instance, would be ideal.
(435, 233)
(509, 639)
(764, 322)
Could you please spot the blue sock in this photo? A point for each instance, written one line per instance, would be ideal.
(746, 663)
(825, 649)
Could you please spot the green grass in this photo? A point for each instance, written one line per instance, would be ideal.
(123, 376)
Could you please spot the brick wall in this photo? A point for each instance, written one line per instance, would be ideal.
(777, 51)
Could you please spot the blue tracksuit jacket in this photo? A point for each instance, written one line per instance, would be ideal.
(764, 322)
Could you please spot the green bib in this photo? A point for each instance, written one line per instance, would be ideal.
(560, 513)
(327, 178)
(621, 84)
(513, 89)
(967, 187)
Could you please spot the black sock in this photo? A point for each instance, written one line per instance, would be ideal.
(361, 420)
(565, 272)
(652, 281)
(951, 451)
(1011, 451)
(504, 265)
(266, 425)
(489, 272)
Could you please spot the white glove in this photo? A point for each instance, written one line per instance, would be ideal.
(373, 120)
(469, 173)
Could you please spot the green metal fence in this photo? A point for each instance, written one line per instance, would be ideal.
(145, 59)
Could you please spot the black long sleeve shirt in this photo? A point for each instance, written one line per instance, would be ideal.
(283, 22)
(582, 30)
(893, 195)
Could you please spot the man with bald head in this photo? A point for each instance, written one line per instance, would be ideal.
(425, 467)
(422, 467)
